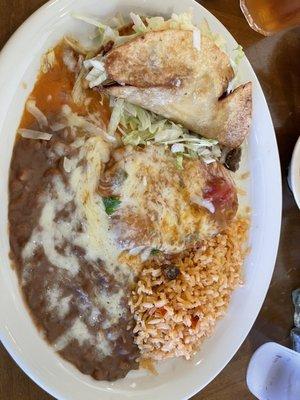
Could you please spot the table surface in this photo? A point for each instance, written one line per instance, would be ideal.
(277, 64)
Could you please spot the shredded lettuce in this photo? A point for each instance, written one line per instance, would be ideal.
(78, 92)
(179, 161)
(237, 57)
(155, 23)
(97, 73)
(32, 108)
(104, 32)
(188, 139)
(196, 38)
(138, 24)
(177, 21)
(110, 31)
(77, 46)
(144, 118)
(141, 127)
(138, 137)
(109, 34)
(182, 21)
(32, 134)
(48, 60)
(219, 40)
(235, 60)
(74, 120)
(130, 109)
(115, 117)
(171, 133)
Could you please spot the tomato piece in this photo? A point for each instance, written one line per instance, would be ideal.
(218, 191)
(195, 320)
(161, 311)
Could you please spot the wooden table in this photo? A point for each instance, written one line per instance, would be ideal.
(277, 64)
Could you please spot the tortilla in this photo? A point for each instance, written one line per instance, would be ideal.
(164, 207)
(163, 72)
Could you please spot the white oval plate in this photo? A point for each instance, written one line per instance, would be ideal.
(178, 379)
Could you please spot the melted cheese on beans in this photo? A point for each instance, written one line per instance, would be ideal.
(94, 236)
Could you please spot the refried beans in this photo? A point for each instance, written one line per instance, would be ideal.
(77, 293)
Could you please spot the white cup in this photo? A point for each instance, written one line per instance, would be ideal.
(274, 373)
(294, 173)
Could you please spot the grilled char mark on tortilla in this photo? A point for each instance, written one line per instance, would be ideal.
(162, 206)
(163, 72)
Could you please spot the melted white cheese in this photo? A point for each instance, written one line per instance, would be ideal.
(94, 237)
(159, 214)
(57, 303)
(80, 332)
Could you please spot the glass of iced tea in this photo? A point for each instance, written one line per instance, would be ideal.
(271, 16)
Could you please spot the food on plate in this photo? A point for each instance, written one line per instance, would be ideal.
(163, 207)
(174, 315)
(124, 221)
(164, 72)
